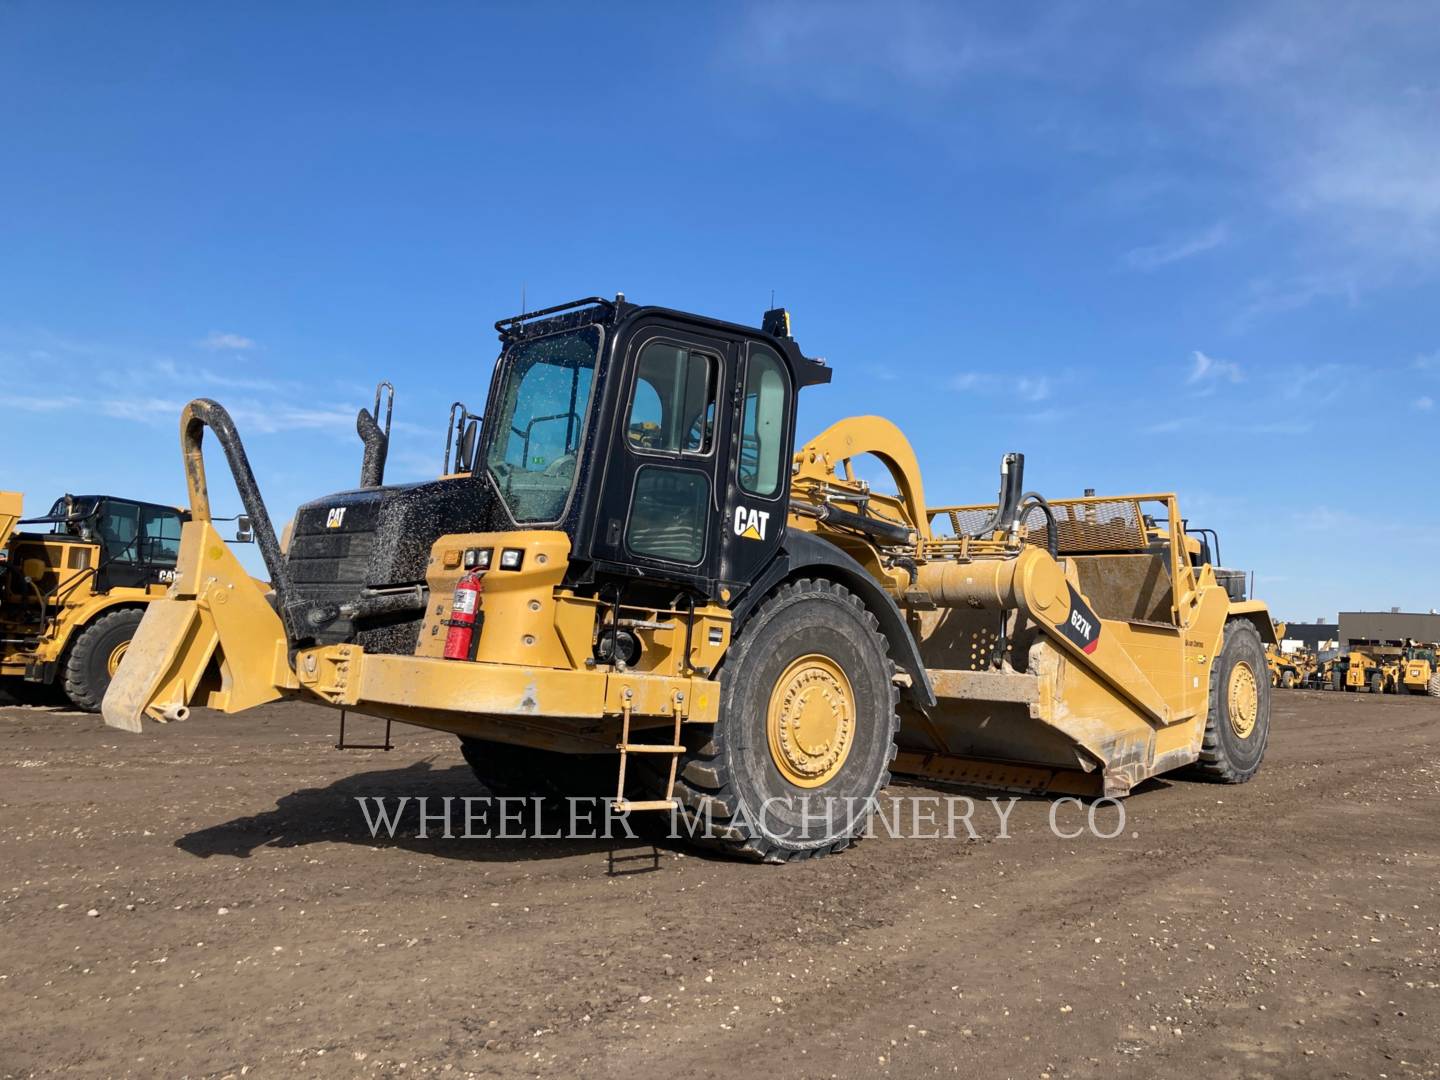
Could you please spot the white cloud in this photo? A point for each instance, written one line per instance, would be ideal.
(1167, 427)
(1334, 118)
(1428, 363)
(143, 410)
(269, 418)
(217, 339)
(1316, 383)
(1206, 372)
(860, 53)
(41, 404)
(1177, 250)
(231, 382)
(1425, 404)
(1033, 387)
(1030, 388)
(1317, 127)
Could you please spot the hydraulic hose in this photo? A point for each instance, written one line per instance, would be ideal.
(1052, 532)
(1007, 504)
(884, 532)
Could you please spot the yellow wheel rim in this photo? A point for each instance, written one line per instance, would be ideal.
(116, 655)
(811, 721)
(1244, 700)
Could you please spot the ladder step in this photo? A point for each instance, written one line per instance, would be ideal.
(624, 805)
(649, 748)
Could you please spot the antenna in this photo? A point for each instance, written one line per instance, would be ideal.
(772, 299)
(522, 299)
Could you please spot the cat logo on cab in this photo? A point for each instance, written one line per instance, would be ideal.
(751, 524)
(335, 517)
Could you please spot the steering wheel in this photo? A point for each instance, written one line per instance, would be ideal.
(562, 465)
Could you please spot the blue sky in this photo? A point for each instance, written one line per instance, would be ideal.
(1155, 247)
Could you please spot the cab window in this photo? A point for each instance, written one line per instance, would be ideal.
(535, 437)
(119, 528)
(762, 424)
(670, 515)
(673, 407)
(159, 536)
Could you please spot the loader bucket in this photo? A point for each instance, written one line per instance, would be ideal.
(213, 641)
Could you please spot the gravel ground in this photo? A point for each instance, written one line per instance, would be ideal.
(205, 900)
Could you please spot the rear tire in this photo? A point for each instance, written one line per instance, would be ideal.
(1377, 683)
(807, 712)
(1237, 729)
(1287, 680)
(95, 655)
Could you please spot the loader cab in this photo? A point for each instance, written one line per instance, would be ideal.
(659, 441)
(139, 543)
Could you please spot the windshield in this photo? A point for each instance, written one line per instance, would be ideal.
(536, 435)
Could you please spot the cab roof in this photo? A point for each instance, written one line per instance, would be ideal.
(596, 310)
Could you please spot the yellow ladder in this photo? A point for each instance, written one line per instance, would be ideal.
(674, 748)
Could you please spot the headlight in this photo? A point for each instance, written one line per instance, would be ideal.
(478, 558)
(511, 558)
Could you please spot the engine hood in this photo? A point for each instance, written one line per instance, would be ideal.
(376, 537)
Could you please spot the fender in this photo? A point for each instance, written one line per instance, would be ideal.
(75, 623)
(1258, 615)
(803, 555)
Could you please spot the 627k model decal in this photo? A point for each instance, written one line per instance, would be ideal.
(1082, 626)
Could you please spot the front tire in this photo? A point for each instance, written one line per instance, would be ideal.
(1287, 679)
(1237, 729)
(1433, 687)
(805, 734)
(1377, 683)
(95, 656)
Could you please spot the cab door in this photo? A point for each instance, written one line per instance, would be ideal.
(665, 476)
(758, 474)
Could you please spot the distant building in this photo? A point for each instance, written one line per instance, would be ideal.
(1314, 636)
(1390, 627)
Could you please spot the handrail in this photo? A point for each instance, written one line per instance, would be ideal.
(513, 324)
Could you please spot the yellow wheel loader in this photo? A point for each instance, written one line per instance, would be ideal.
(1419, 673)
(72, 594)
(626, 574)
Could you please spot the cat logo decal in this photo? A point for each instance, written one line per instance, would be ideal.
(751, 524)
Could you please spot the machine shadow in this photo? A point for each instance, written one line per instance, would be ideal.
(335, 814)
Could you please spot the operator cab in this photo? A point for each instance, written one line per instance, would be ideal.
(658, 442)
(139, 542)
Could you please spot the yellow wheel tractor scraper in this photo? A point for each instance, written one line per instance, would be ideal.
(627, 577)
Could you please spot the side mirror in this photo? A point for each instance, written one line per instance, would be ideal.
(244, 534)
(466, 455)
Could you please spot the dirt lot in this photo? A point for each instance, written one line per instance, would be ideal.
(205, 900)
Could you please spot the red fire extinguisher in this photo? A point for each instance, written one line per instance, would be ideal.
(461, 640)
